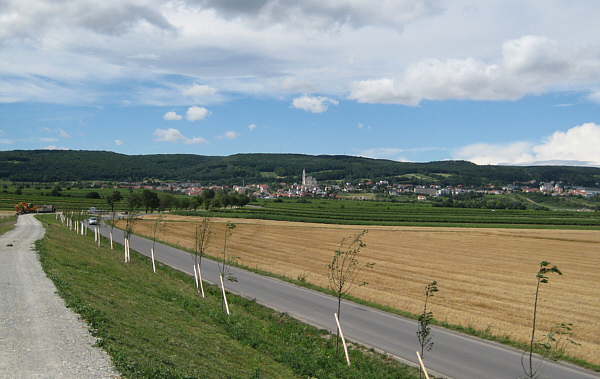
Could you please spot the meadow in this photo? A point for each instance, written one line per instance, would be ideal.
(486, 276)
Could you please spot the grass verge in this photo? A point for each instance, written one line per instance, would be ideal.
(156, 325)
(7, 223)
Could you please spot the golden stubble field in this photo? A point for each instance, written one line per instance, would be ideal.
(486, 277)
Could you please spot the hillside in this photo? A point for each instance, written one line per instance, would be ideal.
(72, 165)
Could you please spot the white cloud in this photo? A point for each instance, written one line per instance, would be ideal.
(313, 104)
(252, 127)
(195, 113)
(118, 142)
(290, 84)
(60, 51)
(52, 147)
(195, 141)
(168, 135)
(172, 116)
(530, 64)
(48, 139)
(595, 96)
(63, 134)
(174, 135)
(229, 135)
(198, 90)
(484, 153)
(380, 91)
(578, 145)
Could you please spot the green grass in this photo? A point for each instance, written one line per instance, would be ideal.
(156, 325)
(71, 199)
(7, 223)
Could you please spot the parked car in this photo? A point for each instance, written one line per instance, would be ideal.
(93, 221)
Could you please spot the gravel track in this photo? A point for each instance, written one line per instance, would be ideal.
(39, 336)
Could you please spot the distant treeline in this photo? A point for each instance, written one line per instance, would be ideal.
(72, 165)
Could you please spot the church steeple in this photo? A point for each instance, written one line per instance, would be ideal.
(303, 176)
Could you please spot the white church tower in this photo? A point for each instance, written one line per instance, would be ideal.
(308, 181)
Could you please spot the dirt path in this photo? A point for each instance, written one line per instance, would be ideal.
(39, 336)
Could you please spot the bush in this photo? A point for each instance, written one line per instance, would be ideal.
(92, 195)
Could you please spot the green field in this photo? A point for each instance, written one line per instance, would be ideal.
(411, 214)
(543, 211)
(72, 197)
(157, 326)
(39, 194)
(7, 223)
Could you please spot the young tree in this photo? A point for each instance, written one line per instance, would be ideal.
(224, 266)
(157, 226)
(541, 277)
(134, 201)
(112, 199)
(345, 267)
(201, 240)
(425, 318)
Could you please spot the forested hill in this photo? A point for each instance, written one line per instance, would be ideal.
(71, 165)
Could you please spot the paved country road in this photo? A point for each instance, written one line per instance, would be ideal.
(39, 336)
(454, 355)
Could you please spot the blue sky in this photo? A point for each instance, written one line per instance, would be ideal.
(494, 82)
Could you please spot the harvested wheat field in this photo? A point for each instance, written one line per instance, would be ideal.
(486, 277)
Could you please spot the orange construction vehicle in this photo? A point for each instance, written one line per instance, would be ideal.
(24, 207)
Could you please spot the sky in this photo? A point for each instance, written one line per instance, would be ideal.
(493, 82)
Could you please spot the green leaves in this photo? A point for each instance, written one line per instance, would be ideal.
(425, 319)
(344, 266)
(431, 288)
(551, 344)
(544, 270)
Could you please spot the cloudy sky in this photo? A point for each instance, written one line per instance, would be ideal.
(493, 82)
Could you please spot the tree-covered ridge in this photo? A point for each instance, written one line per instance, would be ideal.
(56, 165)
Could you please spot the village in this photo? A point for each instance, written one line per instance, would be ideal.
(310, 187)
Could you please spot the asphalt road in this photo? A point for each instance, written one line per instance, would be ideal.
(454, 355)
